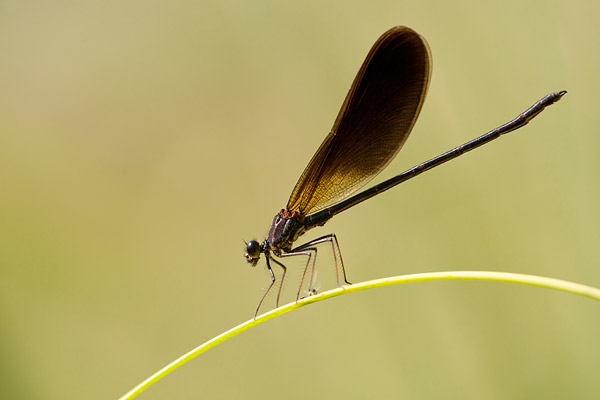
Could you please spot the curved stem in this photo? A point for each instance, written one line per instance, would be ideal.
(551, 283)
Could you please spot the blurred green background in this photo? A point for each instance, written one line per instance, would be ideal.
(142, 141)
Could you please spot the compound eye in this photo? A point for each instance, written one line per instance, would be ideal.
(253, 249)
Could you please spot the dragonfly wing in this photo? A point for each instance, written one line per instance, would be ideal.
(374, 122)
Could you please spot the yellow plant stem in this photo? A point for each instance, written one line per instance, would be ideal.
(551, 283)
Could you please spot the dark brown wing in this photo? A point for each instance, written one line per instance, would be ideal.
(375, 120)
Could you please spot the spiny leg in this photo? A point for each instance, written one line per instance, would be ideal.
(332, 235)
(304, 252)
(269, 288)
(282, 279)
(334, 243)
